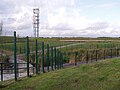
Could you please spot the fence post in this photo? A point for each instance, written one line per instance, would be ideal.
(15, 61)
(76, 58)
(55, 57)
(87, 56)
(62, 59)
(104, 54)
(96, 54)
(117, 52)
(48, 59)
(111, 52)
(27, 53)
(52, 58)
(1, 71)
(58, 59)
(43, 57)
(36, 57)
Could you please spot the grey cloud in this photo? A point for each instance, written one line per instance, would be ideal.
(58, 27)
(97, 26)
(62, 26)
(11, 9)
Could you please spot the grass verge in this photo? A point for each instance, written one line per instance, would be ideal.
(103, 75)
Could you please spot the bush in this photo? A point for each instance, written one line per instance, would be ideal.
(4, 58)
(66, 59)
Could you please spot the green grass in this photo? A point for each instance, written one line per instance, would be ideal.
(6, 43)
(103, 75)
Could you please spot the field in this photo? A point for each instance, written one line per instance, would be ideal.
(105, 48)
(102, 75)
(54, 52)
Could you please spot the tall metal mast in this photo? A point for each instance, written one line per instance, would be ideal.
(36, 22)
(1, 27)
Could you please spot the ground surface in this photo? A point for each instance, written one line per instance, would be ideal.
(103, 75)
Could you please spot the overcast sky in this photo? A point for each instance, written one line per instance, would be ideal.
(91, 18)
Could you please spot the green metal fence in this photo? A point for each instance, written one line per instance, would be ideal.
(26, 56)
